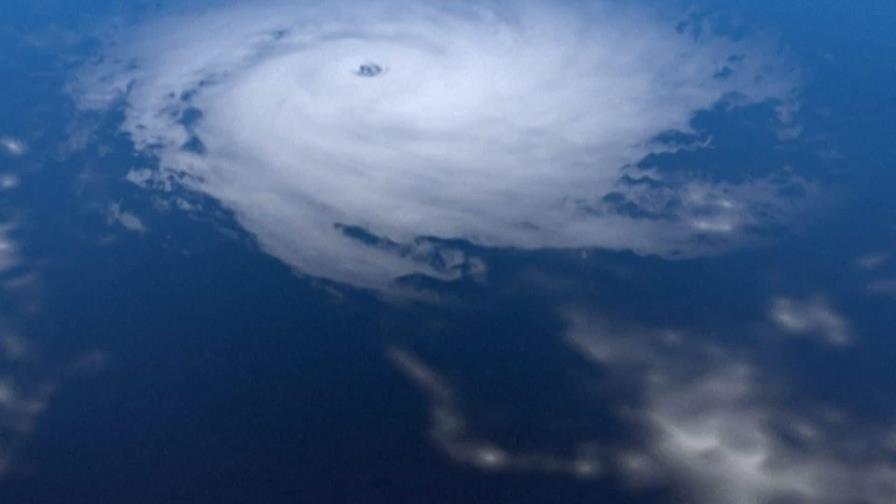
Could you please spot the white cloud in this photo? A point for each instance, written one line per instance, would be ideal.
(28, 383)
(810, 317)
(125, 219)
(28, 380)
(716, 428)
(503, 126)
(13, 146)
(19, 408)
(22, 396)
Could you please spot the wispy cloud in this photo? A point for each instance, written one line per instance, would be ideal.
(127, 220)
(23, 396)
(28, 378)
(873, 261)
(451, 432)
(28, 383)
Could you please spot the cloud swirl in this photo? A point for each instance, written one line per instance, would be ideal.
(500, 123)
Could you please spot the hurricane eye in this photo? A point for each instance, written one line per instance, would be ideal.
(369, 70)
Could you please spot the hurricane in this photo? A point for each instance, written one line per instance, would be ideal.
(355, 141)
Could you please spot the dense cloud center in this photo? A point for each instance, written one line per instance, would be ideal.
(499, 126)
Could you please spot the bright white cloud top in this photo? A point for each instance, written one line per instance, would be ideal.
(500, 123)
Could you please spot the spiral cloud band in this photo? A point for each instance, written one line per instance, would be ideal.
(345, 136)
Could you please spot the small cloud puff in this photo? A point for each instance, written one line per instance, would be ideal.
(127, 220)
(810, 317)
(13, 146)
(883, 286)
(8, 181)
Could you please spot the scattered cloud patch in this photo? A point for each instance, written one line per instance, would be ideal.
(29, 379)
(8, 181)
(20, 405)
(28, 383)
(13, 146)
(24, 394)
(883, 286)
(12, 347)
(811, 317)
(127, 220)
(149, 179)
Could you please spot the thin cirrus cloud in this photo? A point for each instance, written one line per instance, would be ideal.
(872, 261)
(882, 286)
(23, 393)
(451, 432)
(877, 266)
(501, 124)
(22, 397)
(8, 181)
(28, 379)
(28, 384)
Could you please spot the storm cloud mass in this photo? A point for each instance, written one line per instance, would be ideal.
(502, 123)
